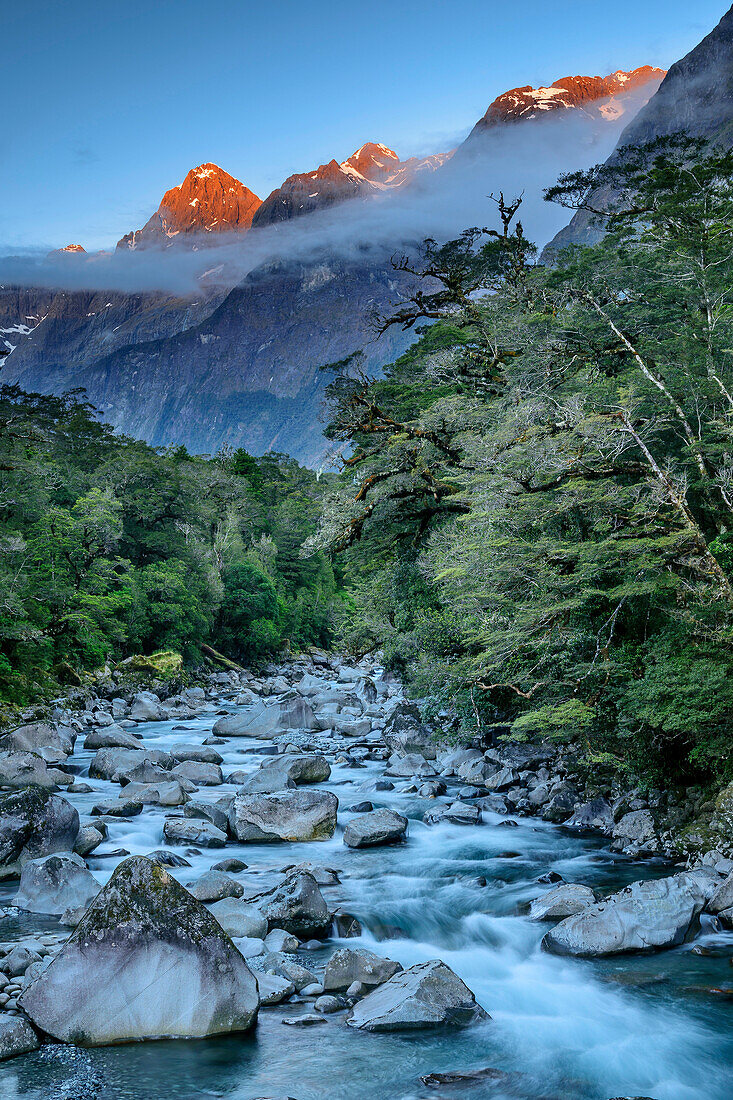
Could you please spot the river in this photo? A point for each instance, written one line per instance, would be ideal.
(560, 1028)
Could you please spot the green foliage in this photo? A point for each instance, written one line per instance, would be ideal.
(549, 465)
(109, 548)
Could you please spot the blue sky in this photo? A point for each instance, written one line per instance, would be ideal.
(106, 105)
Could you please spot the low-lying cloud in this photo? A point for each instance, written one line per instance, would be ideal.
(524, 157)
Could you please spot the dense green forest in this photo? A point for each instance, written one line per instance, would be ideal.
(535, 517)
(110, 548)
(534, 520)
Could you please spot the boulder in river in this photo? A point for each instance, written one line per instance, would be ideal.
(49, 740)
(643, 916)
(295, 815)
(25, 769)
(564, 901)
(178, 830)
(34, 823)
(16, 1037)
(146, 707)
(147, 961)
(357, 965)
(428, 995)
(375, 828)
(722, 899)
(297, 906)
(55, 883)
(239, 918)
(287, 771)
(406, 732)
(266, 720)
(111, 737)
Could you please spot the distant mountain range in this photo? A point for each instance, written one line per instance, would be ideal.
(239, 364)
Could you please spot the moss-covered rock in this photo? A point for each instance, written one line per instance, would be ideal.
(165, 664)
(147, 961)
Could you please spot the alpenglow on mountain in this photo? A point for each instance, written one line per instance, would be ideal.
(239, 364)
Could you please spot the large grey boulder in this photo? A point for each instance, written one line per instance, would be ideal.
(428, 995)
(406, 732)
(564, 901)
(199, 772)
(266, 720)
(596, 814)
(49, 740)
(357, 965)
(147, 961)
(296, 906)
(118, 764)
(375, 828)
(34, 823)
(723, 896)
(297, 815)
(203, 754)
(111, 737)
(55, 883)
(16, 1037)
(635, 828)
(146, 707)
(641, 917)
(284, 772)
(166, 793)
(27, 769)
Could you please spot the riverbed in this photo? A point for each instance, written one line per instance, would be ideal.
(645, 1025)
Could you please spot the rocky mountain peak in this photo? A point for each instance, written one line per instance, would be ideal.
(208, 201)
(373, 161)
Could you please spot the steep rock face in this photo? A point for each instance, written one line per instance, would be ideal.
(603, 97)
(208, 201)
(373, 161)
(306, 192)
(696, 96)
(247, 374)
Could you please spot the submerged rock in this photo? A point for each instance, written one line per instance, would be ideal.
(147, 961)
(641, 917)
(284, 815)
(427, 995)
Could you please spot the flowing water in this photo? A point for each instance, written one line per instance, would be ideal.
(564, 1029)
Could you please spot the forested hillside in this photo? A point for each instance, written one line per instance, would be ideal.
(110, 548)
(535, 517)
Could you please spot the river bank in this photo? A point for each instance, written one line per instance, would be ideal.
(460, 888)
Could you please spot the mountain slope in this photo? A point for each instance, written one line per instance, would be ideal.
(695, 96)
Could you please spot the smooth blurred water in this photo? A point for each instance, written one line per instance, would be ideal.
(576, 1030)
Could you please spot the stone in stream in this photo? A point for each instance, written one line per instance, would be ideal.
(178, 830)
(274, 988)
(428, 995)
(49, 740)
(267, 720)
(146, 708)
(406, 732)
(16, 1037)
(457, 813)
(564, 901)
(88, 839)
(239, 918)
(596, 814)
(722, 899)
(113, 737)
(147, 961)
(202, 754)
(375, 828)
(359, 965)
(216, 813)
(215, 885)
(117, 807)
(168, 793)
(296, 906)
(287, 771)
(298, 815)
(114, 763)
(167, 859)
(34, 823)
(407, 766)
(24, 769)
(17, 961)
(641, 917)
(55, 883)
(202, 774)
(282, 941)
